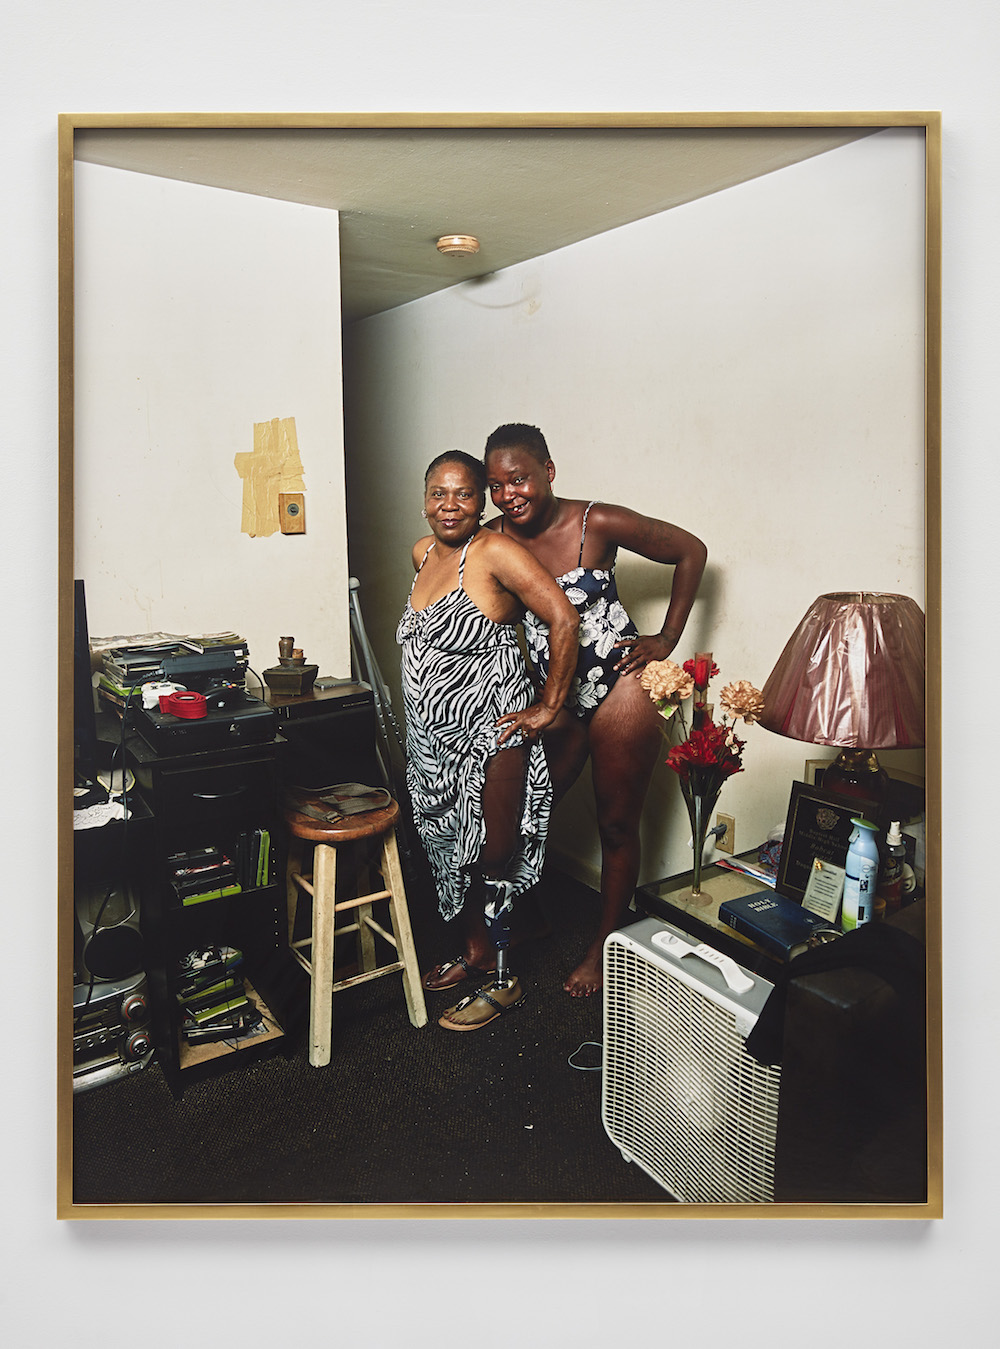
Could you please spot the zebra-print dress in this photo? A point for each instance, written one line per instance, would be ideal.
(461, 671)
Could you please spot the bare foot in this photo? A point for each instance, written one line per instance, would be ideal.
(588, 977)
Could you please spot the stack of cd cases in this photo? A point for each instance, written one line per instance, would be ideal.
(213, 999)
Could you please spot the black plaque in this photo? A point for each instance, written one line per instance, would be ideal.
(818, 825)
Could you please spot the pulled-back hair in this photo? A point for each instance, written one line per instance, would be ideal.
(475, 466)
(519, 436)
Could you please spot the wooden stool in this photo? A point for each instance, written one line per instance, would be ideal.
(322, 885)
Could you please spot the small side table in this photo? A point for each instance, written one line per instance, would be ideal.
(670, 900)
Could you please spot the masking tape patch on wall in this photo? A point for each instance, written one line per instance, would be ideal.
(273, 467)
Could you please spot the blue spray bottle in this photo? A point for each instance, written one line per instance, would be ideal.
(862, 876)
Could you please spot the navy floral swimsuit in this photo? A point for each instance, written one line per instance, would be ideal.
(603, 621)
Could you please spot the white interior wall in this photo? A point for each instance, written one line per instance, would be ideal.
(748, 366)
(199, 313)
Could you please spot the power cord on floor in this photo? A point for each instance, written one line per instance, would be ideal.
(586, 1067)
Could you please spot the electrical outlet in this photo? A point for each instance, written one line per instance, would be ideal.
(727, 842)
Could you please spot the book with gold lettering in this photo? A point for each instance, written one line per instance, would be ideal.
(776, 924)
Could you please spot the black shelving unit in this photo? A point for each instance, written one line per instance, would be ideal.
(200, 799)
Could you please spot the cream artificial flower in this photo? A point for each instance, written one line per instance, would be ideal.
(663, 679)
(741, 699)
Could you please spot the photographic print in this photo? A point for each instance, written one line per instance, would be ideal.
(270, 326)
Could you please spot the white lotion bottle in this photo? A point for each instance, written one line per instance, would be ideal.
(862, 876)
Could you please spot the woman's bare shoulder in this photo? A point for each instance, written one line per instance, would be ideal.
(493, 544)
(420, 549)
(604, 513)
(647, 535)
(619, 524)
(502, 555)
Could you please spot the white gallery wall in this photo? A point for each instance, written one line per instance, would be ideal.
(658, 1281)
(748, 366)
(199, 313)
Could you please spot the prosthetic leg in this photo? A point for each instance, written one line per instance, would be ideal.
(497, 912)
(503, 991)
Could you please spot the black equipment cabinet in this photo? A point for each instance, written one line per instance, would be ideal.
(201, 799)
(327, 736)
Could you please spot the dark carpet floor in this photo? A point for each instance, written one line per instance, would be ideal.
(399, 1116)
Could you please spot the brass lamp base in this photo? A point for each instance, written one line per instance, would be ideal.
(857, 772)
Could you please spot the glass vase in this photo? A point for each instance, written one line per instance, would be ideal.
(700, 788)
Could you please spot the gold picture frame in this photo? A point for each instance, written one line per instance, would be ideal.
(929, 124)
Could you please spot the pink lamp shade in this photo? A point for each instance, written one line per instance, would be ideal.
(852, 674)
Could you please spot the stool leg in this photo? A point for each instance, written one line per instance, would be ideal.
(365, 936)
(324, 921)
(400, 915)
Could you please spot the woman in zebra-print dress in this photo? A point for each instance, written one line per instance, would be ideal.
(476, 771)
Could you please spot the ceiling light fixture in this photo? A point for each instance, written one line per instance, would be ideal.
(458, 245)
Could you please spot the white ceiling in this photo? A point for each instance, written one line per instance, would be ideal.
(523, 191)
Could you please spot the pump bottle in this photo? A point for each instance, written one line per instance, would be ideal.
(890, 880)
(862, 876)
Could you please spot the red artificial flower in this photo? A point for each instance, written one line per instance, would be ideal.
(701, 671)
(710, 746)
(710, 753)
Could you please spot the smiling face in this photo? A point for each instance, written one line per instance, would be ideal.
(453, 502)
(519, 485)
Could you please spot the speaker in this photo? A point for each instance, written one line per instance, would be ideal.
(109, 943)
(111, 1034)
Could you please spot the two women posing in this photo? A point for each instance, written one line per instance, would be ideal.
(473, 584)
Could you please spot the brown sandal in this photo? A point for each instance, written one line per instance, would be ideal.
(492, 1001)
(459, 963)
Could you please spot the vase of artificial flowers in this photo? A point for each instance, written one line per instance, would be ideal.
(711, 751)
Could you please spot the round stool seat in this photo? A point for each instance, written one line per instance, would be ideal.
(350, 829)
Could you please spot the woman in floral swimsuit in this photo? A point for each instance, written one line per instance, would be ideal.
(603, 623)
(607, 717)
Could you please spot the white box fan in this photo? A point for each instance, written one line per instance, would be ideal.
(681, 1097)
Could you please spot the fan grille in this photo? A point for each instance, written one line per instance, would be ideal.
(681, 1096)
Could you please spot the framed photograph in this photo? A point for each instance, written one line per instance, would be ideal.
(818, 826)
(695, 307)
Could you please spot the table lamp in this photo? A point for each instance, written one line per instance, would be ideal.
(852, 675)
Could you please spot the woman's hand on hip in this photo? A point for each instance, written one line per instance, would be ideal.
(639, 651)
(531, 722)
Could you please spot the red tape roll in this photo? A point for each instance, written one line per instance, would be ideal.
(187, 705)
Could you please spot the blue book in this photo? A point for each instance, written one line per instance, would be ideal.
(776, 924)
